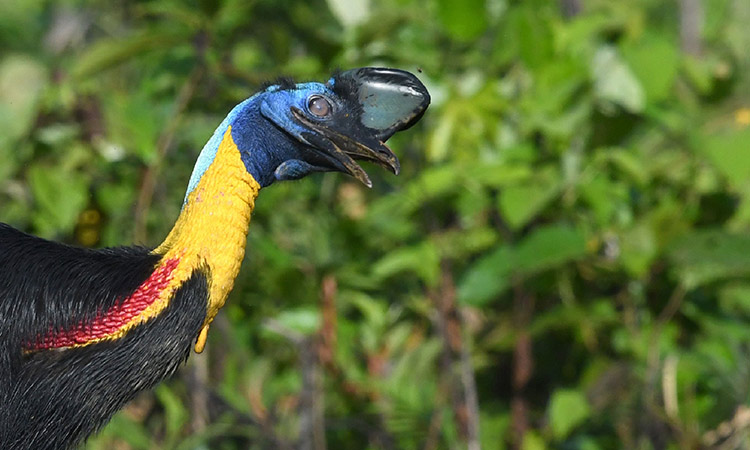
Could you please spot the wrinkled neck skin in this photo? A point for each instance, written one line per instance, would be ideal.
(211, 232)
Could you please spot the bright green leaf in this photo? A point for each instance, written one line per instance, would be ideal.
(533, 441)
(302, 320)
(699, 72)
(487, 278)
(123, 427)
(535, 38)
(520, 204)
(350, 12)
(548, 247)
(22, 81)
(60, 198)
(422, 259)
(654, 61)
(730, 153)
(614, 82)
(568, 409)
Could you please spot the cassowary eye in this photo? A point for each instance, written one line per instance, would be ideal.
(319, 106)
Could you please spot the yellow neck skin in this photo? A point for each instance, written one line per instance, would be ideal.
(209, 235)
(211, 231)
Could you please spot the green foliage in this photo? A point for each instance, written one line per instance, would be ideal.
(567, 238)
(548, 247)
(567, 409)
(60, 196)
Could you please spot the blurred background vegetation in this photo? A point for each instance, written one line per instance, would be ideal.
(563, 262)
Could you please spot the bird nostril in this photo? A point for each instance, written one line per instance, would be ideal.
(319, 106)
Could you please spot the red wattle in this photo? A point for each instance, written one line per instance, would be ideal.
(116, 316)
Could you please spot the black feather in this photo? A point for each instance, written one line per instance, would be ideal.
(283, 82)
(344, 87)
(53, 399)
(39, 279)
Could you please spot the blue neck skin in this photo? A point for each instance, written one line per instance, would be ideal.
(262, 145)
(265, 134)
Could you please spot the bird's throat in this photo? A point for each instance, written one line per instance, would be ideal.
(209, 237)
(211, 231)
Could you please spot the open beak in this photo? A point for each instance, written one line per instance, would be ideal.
(376, 103)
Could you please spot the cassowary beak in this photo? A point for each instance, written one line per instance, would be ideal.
(375, 104)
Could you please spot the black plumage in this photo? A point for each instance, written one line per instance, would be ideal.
(77, 337)
(49, 397)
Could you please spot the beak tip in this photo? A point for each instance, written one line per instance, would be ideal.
(361, 175)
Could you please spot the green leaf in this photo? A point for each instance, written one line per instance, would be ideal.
(22, 81)
(500, 175)
(535, 37)
(458, 244)
(638, 249)
(373, 311)
(108, 53)
(422, 259)
(350, 13)
(603, 197)
(439, 144)
(487, 278)
(729, 152)
(735, 299)
(434, 182)
(60, 197)
(493, 426)
(614, 82)
(464, 20)
(520, 204)
(654, 61)
(133, 433)
(699, 72)
(135, 122)
(533, 441)
(176, 415)
(174, 12)
(302, 320)
(705, 256)
(548, 247)
(568, 409)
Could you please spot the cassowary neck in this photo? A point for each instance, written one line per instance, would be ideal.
(211, 231)
(113, 338)
(208, 238)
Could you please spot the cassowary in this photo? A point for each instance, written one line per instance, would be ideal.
(83, 331)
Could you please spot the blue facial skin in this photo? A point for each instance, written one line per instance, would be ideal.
(366, 107)
(268, 137)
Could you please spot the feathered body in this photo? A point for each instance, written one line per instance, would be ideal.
(137, 315)
(53, 398)
(83, 331)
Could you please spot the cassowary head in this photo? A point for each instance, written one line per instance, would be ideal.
(83, 331)
(290, 130)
